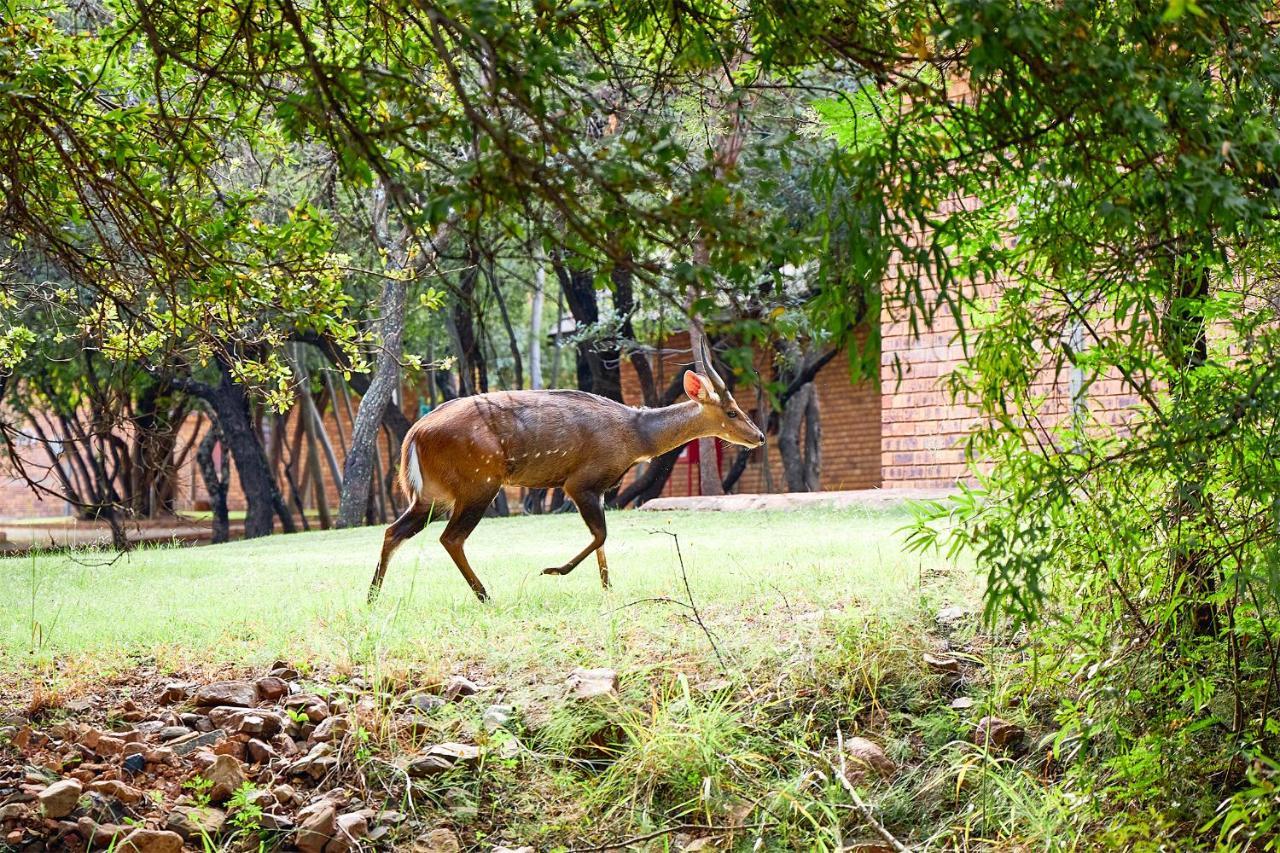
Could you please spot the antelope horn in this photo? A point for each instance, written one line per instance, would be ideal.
(707, 360)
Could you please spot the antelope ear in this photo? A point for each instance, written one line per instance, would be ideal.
(698, 387)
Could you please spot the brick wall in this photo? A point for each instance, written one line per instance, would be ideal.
(924, 429)
(849, 413)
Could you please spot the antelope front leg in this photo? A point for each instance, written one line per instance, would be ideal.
(604, 568)
(591, 506)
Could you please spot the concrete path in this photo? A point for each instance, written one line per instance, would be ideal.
(82, 534)
(866, 498)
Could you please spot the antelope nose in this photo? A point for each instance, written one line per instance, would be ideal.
(759, 438)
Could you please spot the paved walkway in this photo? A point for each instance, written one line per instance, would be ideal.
(867, 498)
(81, 534)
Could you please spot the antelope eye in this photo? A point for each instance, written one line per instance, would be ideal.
(731, 413)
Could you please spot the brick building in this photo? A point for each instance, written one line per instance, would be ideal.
(902, 432)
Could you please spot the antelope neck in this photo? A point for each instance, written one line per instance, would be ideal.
(669, 427)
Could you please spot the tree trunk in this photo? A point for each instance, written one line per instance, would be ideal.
(812, 442)
(393, 417)
(535, 323)
(358, 470)
(599, 369)
(472, 371)
(314, 419)
(650, 484)
(316, 476)
(214, 483)
(559, 345)
(800, 467)
(242, 439)
(517, 365)
(708, 470)
(1187, 345)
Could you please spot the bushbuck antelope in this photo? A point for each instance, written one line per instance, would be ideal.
(459, 455)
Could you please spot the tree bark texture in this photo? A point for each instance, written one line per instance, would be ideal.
(358, 470)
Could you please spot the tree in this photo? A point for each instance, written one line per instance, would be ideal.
(1090, 190)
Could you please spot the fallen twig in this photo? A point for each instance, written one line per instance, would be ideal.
(865, 809)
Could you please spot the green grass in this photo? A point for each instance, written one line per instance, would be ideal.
(760, 578)
(820, 616)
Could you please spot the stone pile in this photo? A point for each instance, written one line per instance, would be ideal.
(199, 764)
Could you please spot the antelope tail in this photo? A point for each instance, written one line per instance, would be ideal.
(410, 470)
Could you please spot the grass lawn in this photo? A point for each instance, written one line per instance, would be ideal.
(758, 578)
(820, 621)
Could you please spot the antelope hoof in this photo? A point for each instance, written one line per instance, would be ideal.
(556, 570)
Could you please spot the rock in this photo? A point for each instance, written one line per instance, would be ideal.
(194, 822)
(315, 763)
(439, 840)
(64, 731)
(169, 733)
(100, 834)
(149, 727)
(14, 812)
(262, 798)
(497, 717)
(60, 799)
(283, 671)
(240, 694)
(272, 688)
(161, 755)
(195, 741)
(199, 722)
(79, 705)
(962, 703)
(134, 749)
(234, 748)
(944, 664)
(317, 827)
(416, 724)
(350, 829)
(455, 798)
(246, 721)
(501, 849)
(284, 794)
(226, 775)
(442, 757)
(175, 692)
(425, 702)
(591, 683)
(151, 841)
(116, 788)
(263, 724)
(313, 706)
(89, 736)
(712, 686)
(284, 745)
(706, 842)
(949, 617)
(108, 746)
(863, 755)
(331, 728)
(259, 751)
(458, 687)
(998, 733)
(276, 822)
